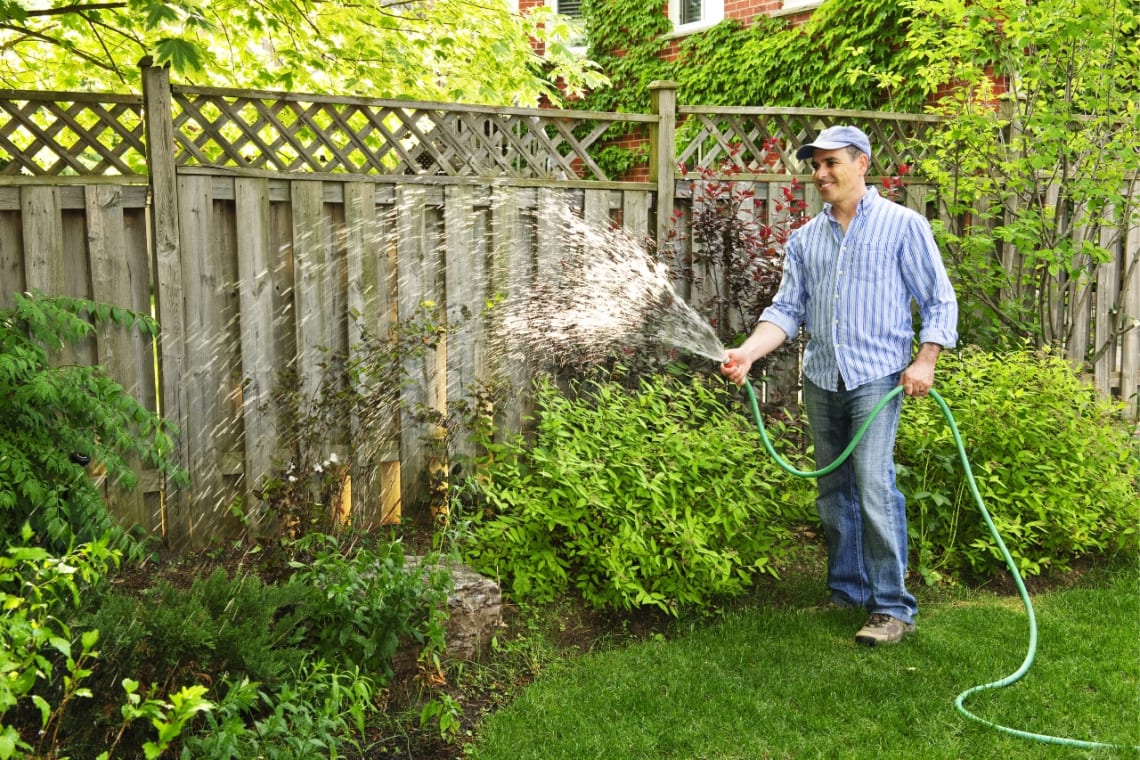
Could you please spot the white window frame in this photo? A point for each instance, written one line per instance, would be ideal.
(794, 6)
(579, 49)
(712, 13)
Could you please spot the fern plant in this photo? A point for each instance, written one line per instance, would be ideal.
(58, 417)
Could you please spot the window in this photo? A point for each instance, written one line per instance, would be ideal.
(690, 12)
(692, 15)
(572, 9)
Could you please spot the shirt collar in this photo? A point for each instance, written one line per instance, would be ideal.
(868, 198)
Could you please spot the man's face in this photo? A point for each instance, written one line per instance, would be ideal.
(838, 176)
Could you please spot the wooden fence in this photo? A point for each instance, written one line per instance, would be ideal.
(269, 233)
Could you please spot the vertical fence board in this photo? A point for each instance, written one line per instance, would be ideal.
(550, 233)
(75, 267)
(511, 266)
(387, 266)
(596, 208)
(635, 214)
(11, 257)
(680, 250)
(118, 347)
(205, 383)
(43, 240)
(363, 302)
(165, 242)
(371, 282)
(1130, 341)
(313, 290)
(55, 256)
(466, 276)
(229, 439)
(258, 356)
(284, 276)
(1107, 290)
(416, 300)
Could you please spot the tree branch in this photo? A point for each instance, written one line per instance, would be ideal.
(77, 8)
(31, 33)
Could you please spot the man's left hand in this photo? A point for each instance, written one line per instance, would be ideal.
(917, 380)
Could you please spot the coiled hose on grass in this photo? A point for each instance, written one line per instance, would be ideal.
(959, 703)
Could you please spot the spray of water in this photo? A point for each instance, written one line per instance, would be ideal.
(605, 292)
(584, 292)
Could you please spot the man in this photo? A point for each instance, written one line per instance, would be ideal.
(849, 278)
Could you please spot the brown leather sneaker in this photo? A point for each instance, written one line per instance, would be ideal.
(882, 629)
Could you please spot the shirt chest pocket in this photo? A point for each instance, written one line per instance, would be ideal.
(872, 262)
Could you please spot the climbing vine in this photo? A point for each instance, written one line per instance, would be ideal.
(627, 39)
(847, 55)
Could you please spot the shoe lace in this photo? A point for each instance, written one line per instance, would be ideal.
(878, 620)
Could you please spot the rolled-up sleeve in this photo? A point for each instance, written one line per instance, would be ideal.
(930, 286)
(788, 306)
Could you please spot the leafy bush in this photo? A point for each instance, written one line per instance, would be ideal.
(660, 497)
(352, 606)
(36, 587)
(1056, 467)
(366, 600)
(320, 709)
(291, 666)
(221, 624)
(56, 416)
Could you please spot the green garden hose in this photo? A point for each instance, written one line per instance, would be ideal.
(959, 703)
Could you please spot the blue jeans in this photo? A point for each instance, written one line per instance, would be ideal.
(862, 510)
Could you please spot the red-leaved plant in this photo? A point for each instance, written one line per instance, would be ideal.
(736, 253)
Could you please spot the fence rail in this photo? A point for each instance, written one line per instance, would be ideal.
(266, 230)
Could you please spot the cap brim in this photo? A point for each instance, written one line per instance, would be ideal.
(805, 151)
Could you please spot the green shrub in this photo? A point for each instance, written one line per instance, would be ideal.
(36, 645)
(292, 665)
(319, 711)
(352, 607)
(1056, 467)
(57, 413)
(222, 624)
(661, 497)
(365, 600)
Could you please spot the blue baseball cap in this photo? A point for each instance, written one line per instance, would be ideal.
(839, 136)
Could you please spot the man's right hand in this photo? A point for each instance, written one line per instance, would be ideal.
(736, 365)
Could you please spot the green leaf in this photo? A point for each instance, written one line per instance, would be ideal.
(182, 56)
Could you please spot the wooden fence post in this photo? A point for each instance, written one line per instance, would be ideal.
(662, 152)
(160, 152)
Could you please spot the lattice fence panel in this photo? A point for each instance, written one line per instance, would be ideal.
(279, 132)
(50, 133)
(764, 140)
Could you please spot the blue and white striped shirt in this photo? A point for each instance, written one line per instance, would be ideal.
(852, 293)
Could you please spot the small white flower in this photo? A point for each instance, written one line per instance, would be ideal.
(333, 458)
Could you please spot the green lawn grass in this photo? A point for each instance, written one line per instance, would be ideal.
(786, 680)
